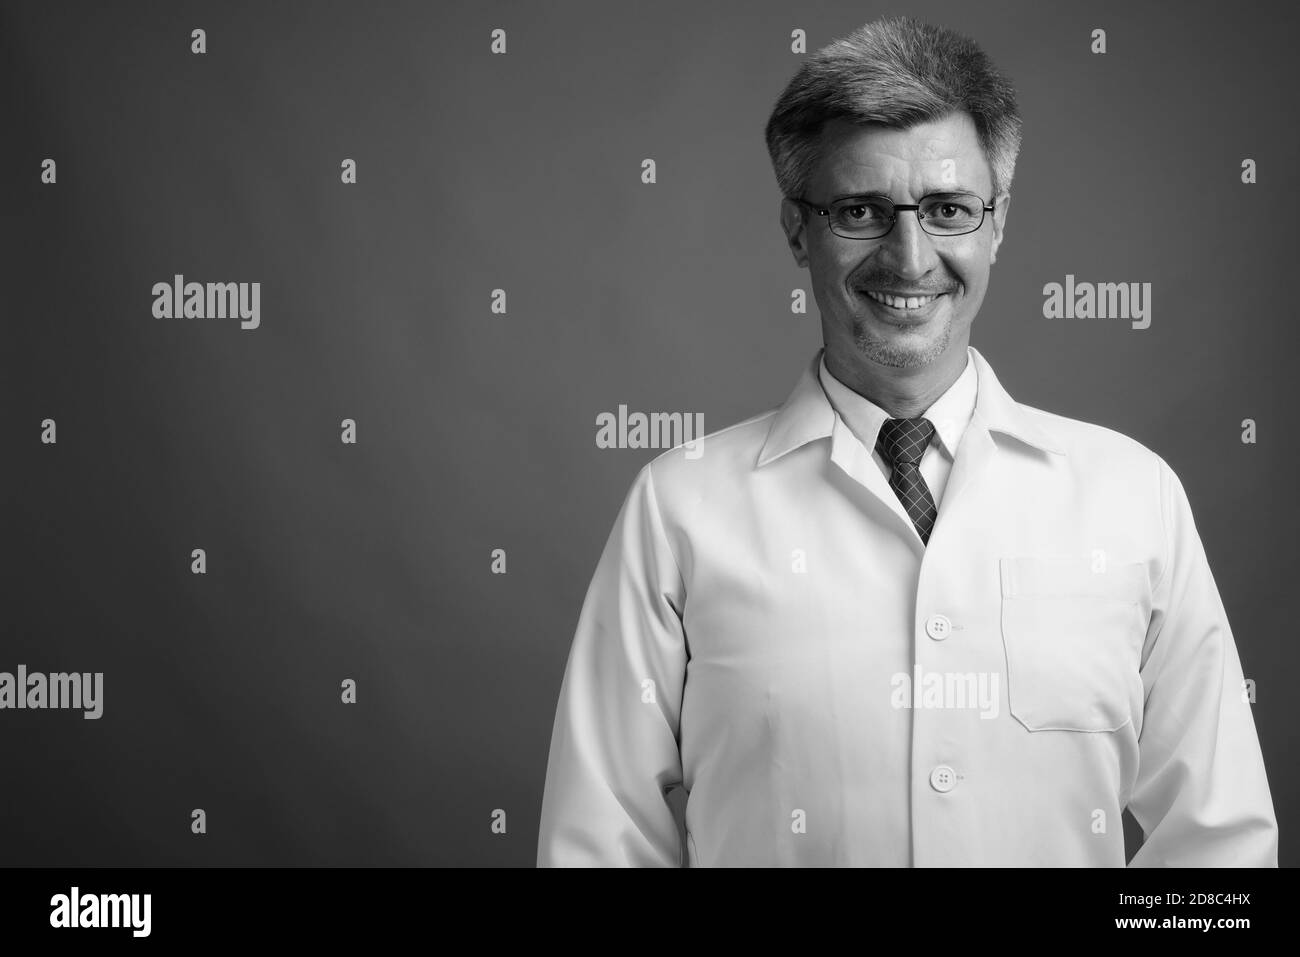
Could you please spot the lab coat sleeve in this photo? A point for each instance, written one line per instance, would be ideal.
(1201, 795)
(614, 745)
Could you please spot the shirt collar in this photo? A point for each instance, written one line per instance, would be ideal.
(949, 414)
(808, 415)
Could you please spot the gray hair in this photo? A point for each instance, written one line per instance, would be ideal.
(896, 72)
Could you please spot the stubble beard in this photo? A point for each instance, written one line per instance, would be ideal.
(887, 353)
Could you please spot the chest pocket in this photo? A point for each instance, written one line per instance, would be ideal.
(1073, 638)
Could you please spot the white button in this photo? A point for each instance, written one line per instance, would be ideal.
(938, 627)
(943, 778)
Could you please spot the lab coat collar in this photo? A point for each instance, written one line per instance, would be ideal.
(807, 415)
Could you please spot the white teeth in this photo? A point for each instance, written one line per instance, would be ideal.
(899, 302)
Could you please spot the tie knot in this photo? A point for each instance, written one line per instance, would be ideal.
(903, 441)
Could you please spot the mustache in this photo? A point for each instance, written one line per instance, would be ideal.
(886, 285)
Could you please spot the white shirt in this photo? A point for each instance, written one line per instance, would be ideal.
(756, 605)
(949, 414)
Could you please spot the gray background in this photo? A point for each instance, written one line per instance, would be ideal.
(477, 430)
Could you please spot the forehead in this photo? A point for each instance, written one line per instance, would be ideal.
(930, 156)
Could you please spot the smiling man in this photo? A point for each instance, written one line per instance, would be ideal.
(903, 619)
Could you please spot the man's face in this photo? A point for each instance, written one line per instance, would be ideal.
(905, 165)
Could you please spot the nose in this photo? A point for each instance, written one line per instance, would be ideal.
(908, 249)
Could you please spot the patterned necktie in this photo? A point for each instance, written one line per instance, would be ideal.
(902, 442)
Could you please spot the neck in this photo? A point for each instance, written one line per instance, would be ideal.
(903, 393)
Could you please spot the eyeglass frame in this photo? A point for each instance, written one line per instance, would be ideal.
(893, 220)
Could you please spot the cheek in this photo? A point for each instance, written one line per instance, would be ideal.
(832, 274)
(972, 271)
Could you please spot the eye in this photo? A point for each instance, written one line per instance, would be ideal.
(860, 212)
(951, 214)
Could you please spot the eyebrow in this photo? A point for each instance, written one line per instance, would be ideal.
(884, 195)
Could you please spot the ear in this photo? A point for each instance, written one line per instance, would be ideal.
(1001, 203)
(794, 223)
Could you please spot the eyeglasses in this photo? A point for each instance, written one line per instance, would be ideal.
(870, 217)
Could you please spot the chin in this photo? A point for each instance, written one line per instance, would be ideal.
(900, 347)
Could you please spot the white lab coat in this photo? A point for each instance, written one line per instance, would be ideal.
(754, 611)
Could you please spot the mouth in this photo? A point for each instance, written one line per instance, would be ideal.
(916, 304)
